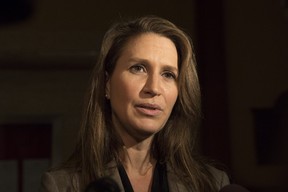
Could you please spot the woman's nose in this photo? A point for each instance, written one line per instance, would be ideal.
(152, 85)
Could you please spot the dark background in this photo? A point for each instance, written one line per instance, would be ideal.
(47, 49)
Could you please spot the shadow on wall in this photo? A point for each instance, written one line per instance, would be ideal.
(271, 130)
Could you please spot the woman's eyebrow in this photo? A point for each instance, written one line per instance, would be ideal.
(170, 68)
(136, 59)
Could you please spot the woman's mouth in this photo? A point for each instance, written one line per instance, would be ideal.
(149, 109)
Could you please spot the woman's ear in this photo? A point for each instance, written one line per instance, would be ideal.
(107, 87)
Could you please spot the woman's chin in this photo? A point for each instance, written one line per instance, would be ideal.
(144, 133)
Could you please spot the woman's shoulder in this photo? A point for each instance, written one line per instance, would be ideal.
(220, 176)
(216, 175)
(60, 180)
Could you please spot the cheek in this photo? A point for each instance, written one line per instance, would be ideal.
(123, 90)
(172, 97)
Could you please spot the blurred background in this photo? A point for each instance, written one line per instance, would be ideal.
(47, 50)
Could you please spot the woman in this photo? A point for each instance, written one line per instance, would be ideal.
(142, 115)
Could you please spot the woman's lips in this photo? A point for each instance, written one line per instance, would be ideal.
(149, 109)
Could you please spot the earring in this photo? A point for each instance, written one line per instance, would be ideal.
(107, 96)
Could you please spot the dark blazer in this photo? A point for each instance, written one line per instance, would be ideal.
(61, 180)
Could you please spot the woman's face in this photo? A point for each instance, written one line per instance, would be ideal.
(143, 86)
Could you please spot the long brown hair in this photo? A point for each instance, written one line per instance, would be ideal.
(98, 143)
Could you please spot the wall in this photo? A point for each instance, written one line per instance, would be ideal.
(43, 96)
(256, 49)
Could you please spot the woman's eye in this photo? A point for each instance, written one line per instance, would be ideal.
(137, 69)
(169, 75)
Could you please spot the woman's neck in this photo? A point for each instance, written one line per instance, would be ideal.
(137, 157)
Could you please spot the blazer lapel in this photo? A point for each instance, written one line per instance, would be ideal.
(113, 173)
